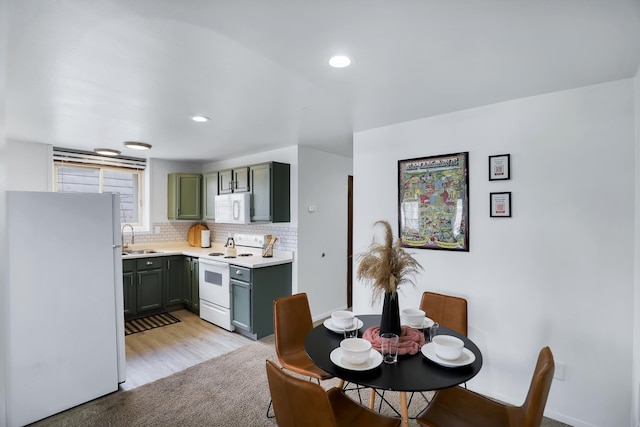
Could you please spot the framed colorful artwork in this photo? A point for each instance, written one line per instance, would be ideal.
(433, 202)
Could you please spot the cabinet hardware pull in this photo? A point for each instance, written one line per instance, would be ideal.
(239, 273)
(149, 262)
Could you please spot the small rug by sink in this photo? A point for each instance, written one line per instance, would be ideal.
(147, 323)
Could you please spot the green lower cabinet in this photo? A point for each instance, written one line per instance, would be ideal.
(174, 285)
(129, 287)
(253, 292)
(156, 284)
(192, 285)
(149, 290)
(241, 305)
(143, 286)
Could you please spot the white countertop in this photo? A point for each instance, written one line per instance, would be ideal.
(184, 248)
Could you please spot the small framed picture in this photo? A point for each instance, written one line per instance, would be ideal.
(500, 167)
(500, 204)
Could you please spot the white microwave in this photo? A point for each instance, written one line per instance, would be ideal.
(233, 208)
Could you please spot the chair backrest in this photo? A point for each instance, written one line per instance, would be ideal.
(533, 406)
(297, 402)
(447, 310)
(291, 324)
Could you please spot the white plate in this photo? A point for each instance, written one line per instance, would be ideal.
(427, 323)
(374, 360)
(467, 357)
(328, 323)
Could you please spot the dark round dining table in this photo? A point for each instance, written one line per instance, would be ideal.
(411, 372)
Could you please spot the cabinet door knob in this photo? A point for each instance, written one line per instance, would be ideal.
(149, 262)
(239, 273)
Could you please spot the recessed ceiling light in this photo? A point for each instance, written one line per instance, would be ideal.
(107, 152)
(339, 61)
(200, 119)
(137, 145)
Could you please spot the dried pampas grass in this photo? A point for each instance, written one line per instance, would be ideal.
(386, 265)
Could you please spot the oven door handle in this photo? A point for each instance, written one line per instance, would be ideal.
(212, 263)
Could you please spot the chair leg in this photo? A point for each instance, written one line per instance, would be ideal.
(357, 389)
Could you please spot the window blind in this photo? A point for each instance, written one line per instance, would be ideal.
(65, 155)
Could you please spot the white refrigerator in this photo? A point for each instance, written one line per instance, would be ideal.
(66, 332)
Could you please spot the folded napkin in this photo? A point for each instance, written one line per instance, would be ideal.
(410, 342)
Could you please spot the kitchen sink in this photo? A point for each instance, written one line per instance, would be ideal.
(138, 251)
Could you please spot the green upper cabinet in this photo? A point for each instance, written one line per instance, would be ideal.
(209, 193)
(184, 196)
(233, 180)
(270, 192)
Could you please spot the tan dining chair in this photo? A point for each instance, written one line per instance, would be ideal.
(447, 310)
(457, 406)
(291, 324)
(298, 403)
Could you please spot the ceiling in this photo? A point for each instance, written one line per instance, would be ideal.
(86, 74)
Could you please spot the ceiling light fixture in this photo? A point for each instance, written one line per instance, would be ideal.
(107, 152)
(200, 119)
(340, 61)
(134, 145)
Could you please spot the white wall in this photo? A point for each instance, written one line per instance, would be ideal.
(322, 236)
(560, 271)
(30, 168)
(635, 395)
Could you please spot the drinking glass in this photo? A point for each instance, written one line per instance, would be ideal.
(431, 332)
(351, 331)
(389, 344)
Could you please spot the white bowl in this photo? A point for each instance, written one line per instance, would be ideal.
(413, 316)
(448, 347)
(342, 319)
(355, 350)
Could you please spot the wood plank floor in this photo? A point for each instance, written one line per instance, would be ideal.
(160, 352)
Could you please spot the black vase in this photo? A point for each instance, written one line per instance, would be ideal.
(390, 320)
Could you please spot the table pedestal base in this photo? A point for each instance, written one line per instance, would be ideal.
(404, 410)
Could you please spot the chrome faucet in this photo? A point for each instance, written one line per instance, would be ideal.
(132, 242)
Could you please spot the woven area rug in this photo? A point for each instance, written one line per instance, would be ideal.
(150, 322)
(227, 391)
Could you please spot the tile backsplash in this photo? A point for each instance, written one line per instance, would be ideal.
(176, 231)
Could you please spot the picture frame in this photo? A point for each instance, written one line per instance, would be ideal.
(500, 204)
(500, 167)
(433, 202)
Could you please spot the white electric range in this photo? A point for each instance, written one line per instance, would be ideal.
(215, 284)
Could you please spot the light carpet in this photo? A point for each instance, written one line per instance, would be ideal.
(229, 390)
